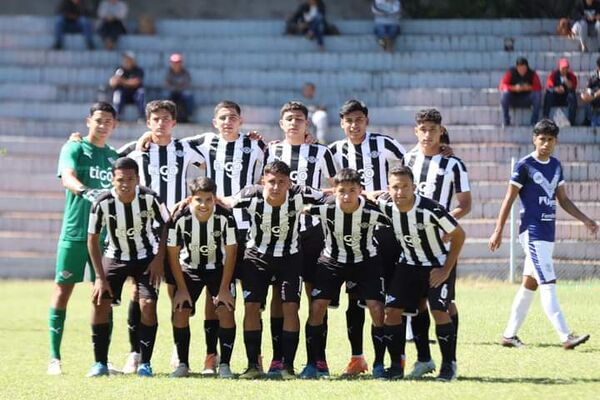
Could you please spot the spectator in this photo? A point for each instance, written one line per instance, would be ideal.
(387, 22)
(587, 15)
(178, 85)
(520, 87)
(112, 13)
(128, 85)
(309, 20)
(561, 87)
(71, 19)
(591, 96)
(316, 112)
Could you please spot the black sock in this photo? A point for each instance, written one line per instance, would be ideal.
(377, 336)
(355, 321)
(100, 341)
(226, 341)
(322, 356)
(134, 315)
(211, 335)
(314, 342)
(420, 327)
(147, 338)
(445, 337)
(395, 340)
(182, 342)
(277, 338)
(455, 322)
(289, 347)
(252, 341)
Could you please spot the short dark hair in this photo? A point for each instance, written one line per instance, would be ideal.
(545, 127)
(293, 106)
(125, 163)
(445, 138)
(402, 170)
(277, 167)
(228, 104)
(598, 62)
(428, 115)
(353, 105)
(203, 184)
(522, 61)
(156, 105)
(103, 106)
(347, 175)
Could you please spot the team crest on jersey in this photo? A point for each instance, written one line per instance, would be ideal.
(147, 214)
(420, 226)
(246, 150)
(180, 153)
(311, 159)
(375, 154)
(291, 214)
(364, 225)
(441, 172)
(66, 274)
(217, 234)
(538, 177)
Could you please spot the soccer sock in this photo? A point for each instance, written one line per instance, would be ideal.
(110, 324)
(226, 341)
(182, 342)
(134, 316)
(314, 342)
(445, 337)
(407, 322)
(377, 336)
(519, 310)
(252, 341)
(395, 341)
(100, 341)
(211, 335)
(56, 326)
(322, 356)
(553, 311)
(147, 338)
(355, 321)
(454, 319)
(276, 338)
(420, 327)
(289, 346)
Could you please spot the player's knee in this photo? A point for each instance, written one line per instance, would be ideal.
(393, 316)
(377, 312)
(290, 309)
(181, 318)
(441, 317)
(452, 309)
(148, 311)
(318, 308)
(226, 318)
(62, 293)
(252, 310)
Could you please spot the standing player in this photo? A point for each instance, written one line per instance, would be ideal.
(538, 180)
(129, 213)
(202, 240)
(349, 256)
(424, 268)
(440, 178)
(84, 168)
(371, 154)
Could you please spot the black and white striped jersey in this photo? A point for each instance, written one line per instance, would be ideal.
(129, 225)
(274, 230)
(371, 158)
(349, 237)
(437, 177)
(232, 165)
(420, 230)
(202, 243)
(164, 168)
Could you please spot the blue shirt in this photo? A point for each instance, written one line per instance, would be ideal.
(538, 181)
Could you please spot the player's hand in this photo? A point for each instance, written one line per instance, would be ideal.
(225, 298)
(101, 286)
(592, 226)
(143, 143)
(495, 241)
(181, 297)
(255, 135)
(179, 206)
(437, 276)
(92, 195)
(156, 270)
(310, 139)
(274, 142)
(560, 90)
(447, 151)
(75, 137)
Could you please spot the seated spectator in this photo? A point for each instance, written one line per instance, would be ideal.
(591, 96)
(128, 85)
(387, 22)
(587, 17)
(112, 14)
(178, 88)
(71, 19)
(520, 87)
(561, 87)
(316, 112)
(309, 20)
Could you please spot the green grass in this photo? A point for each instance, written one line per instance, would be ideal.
(487, 371)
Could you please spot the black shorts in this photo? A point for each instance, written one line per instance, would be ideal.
(197, 279)
(117, 271)
(312, 242)
(169, 278)
(365, 279)
(260, 270)
(388, 249)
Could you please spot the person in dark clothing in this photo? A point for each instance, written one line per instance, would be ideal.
(591, 96)
(128, 85)
(309, 20)
(587, 17)
(112, 14)
(71, 18)
(561, 87)
(520, 87)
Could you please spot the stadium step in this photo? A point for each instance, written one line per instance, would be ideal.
(15, 241)
(480, 228)
(489, 209)
(577, 191)
(27, 265)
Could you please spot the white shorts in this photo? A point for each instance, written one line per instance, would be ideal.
(538, 259)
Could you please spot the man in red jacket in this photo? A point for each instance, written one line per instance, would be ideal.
(520, 87)
(561, 87)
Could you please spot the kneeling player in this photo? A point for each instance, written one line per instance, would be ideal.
(128, 212)
(202, 252)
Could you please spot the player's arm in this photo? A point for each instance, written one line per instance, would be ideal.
(181, 294)
(511, 194)
(456, 239)
(225, 297)
(156, 267)
(73, 184)
(573, 210)
(463, 206)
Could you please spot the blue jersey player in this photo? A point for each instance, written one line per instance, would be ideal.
(538, 180)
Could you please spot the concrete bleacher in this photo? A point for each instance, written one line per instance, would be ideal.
(454, 65)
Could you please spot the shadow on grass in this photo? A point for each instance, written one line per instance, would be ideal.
(530, 380)
(580, 349)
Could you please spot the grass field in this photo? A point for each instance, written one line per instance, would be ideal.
(542, 370)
